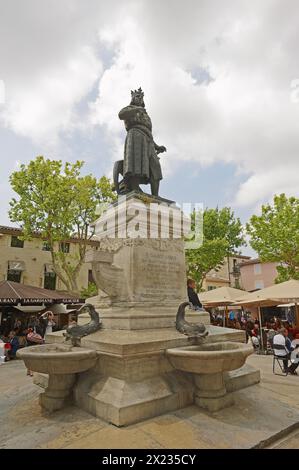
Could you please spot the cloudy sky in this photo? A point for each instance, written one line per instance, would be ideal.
(221, 83)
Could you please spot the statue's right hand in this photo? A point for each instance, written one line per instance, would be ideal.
(161, 149)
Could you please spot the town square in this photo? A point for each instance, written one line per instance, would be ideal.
(149, 221)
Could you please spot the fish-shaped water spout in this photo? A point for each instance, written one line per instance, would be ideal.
(76, 332)
(189, 329)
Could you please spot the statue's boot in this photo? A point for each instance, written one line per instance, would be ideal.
(155, 187)
(134, 184)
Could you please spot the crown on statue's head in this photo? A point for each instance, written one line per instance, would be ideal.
(135, 93)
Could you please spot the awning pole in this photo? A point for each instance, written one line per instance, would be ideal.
(261, 330)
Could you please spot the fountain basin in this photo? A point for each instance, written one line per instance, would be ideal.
(57, 358)
(209, 358)
(207, 363)
(61, 362)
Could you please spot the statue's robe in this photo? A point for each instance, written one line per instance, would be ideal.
(140, 157)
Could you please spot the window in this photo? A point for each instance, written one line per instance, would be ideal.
(64, 247)
(50, 281)
(46, 246)
(14, 270)
(14, 275)
(49, 278)
(16, 242)
(257, 268)
(212, 287)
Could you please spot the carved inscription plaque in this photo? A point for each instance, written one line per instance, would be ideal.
(159, 274)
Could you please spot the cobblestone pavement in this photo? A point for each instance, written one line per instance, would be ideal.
(260, 412)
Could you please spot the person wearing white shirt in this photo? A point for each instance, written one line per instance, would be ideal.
(283, 348)
(48, 322)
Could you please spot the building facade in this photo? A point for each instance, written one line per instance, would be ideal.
(257, 275)
(29, 262)
(228, 275)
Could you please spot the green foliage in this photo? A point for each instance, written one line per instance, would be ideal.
(90, 291)
(222, 235)
(221, 224)
(57, 202)
(201, 260)
(274, 235)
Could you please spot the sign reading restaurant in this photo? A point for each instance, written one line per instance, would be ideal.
(8, 301)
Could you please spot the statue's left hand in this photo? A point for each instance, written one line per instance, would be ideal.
(161, 149)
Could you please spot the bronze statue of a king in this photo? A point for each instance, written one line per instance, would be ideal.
(141, 163)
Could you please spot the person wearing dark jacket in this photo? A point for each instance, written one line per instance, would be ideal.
(14, 342)
(192, 295)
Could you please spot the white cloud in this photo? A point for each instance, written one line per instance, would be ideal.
(46, 108)
(49, 62)
(243, 115)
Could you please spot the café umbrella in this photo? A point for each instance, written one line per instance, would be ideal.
(283, 293)
(222, 296)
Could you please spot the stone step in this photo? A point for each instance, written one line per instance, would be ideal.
(241, 378)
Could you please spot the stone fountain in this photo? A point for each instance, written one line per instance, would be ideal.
(208, 364)
(144, 364)
(61, 362)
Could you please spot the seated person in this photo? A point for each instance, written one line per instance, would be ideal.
(248, 328)
(283, 348)
(288, 327)
(231, 315)
(255, 330)
(270, 335)
(192, 295)
(294, 353)
(14, 342)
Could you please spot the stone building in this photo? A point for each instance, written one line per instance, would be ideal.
(257, 275)
(227, 275)
(29, 262)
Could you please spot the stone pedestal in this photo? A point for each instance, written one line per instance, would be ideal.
(58, 391)
(142, 282)
(140, 265)
(211, 393)
(140, 270)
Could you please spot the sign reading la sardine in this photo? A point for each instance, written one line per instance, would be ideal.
(37, 301)
(49, 301)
